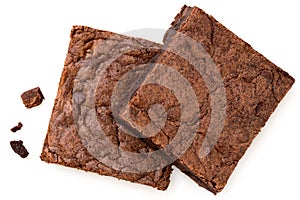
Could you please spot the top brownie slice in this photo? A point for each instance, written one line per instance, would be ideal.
(233, 101)
(66, 142)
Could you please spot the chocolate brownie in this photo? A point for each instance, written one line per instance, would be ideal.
(102, 57)
(232, 90)
(32, 98)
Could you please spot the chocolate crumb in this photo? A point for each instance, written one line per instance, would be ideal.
(19, 148)
(17, 128)
(32, 98)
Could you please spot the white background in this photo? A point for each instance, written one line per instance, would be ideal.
(34, 38)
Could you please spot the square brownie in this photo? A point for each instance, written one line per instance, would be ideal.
(66, 143)
(229, 89)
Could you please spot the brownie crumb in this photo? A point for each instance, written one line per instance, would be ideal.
(33, 97)
(19, 148)
(17, 128)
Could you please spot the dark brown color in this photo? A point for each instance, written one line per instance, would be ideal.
(62, 144)
(32, 98)
(17, 128)
(19, 148)
(254, 87)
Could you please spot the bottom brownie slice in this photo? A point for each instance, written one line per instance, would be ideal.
(219, 81)
(89, 49)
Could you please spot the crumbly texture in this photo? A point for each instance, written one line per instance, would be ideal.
(32, 98)
(17, 128)
(63, 144)
(19, 148)
(254, 87)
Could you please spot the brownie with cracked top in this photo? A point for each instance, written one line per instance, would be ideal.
(89, 50)
(250, 88)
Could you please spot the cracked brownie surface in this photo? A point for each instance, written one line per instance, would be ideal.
(63, 145)
(253, 87)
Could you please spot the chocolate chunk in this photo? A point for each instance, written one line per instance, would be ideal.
(70, 143)
(231, 88)
(19, 148)
(32, 98)
(16, 128)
